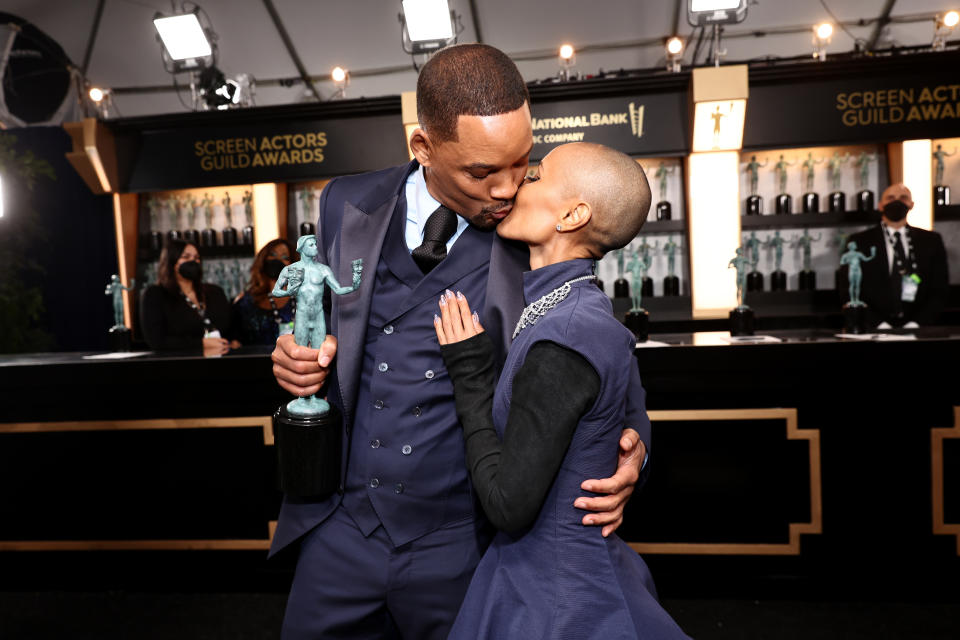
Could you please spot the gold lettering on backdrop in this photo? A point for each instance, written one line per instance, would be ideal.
(219, 154)
(632, 117)
(889, 106)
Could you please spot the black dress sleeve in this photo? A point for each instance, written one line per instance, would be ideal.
(219, 310)
(552, 390)
(162, 328)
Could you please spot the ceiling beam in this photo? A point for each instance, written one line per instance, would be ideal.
(476, 20)
(93, 38)
(882, 20)
(281, 30)
(678, 6)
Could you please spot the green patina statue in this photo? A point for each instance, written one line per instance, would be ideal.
(781, 170)
(804, 242)
(306, 280)
(852, 258)
(776, 242)
(753, 248)
(638, 268)
(808, 171)
(670, 247)
(740, 263)
(115, 288)
(753, 172)
(834, 165)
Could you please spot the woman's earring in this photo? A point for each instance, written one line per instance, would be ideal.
(559, 228)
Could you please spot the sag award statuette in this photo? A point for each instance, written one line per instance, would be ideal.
(637, 318)
(783, 202)
(189, 205)
(838, 199)
(208, 237)
(941, 192)
(229, 233)
(754, 278)
(621, 288)
(855, 311)
(246, 234)
(807, 277)
(741, 318)
(811, 200)
(671, 283)
(119, 333)
(864, 195)
(156, 238)
(174, 215)
(778, 279)
(664, 210)
(306, 211)
(754, 202)
(308, 430)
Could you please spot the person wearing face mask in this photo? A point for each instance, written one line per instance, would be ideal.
(259, 317)
(909, 287)
(183, 313)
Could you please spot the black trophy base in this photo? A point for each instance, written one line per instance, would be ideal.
(192, 236)
(778, 281)
(671, 286)
(646, 287)
(246, 236)
(865, 201)
(306, 228)
(741, 321)
(807, 280)
(308, 452)
(639, 323)
(174, 234)
(811, 203)
(783, 204)
(119, 339)
(599, 284)
(855, 318)
(156, 241)
(837, 202)
(621, 288)
(229, 237)
(754, 281)
(941, 195)
(208, 238)
(754, 206)
(664, 210)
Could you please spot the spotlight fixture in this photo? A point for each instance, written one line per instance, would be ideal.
(101, 99)
(187, 45)
(674, 49)
(96, 94)
(427, 26)
(822, 33)
(215, 91)
(715, 12)
(567, 58)
(943, 26)
(341, 78)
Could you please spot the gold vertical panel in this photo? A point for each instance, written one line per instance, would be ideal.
(408, 110)
(937, 436)
(918, 176)
(125, 221)
(796, 529)
(269, 212)
(263, 422)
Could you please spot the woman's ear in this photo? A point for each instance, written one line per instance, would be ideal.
(576, 217)
(421, 146)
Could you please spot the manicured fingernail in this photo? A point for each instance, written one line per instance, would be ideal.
(436, 319)
(449, 293)
(459, 296)
(476, 318)
(443, 301)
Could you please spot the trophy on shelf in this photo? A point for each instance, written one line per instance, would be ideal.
(308, 430)
(119, 333)
(170, 204)
(807, 276)
(754, 277)
(841, 238)
(647, 282)
(754, 201)
(156, 238)
(637, 319)
(208, 237)
(941, 192)
(306, 200)
(783, 202)
(811, 200)
(671, 283)
(741, 318)
(188, 204)
(864, 195)
(664, 210)
(838, 199)
(246, 234)
(229, 233)
(237, 280)
(778, 279)
(855, 311)
(621, 288)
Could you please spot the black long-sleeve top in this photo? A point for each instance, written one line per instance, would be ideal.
(552, 390)
(169, 324)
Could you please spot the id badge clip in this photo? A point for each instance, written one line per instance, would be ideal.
(908, 292)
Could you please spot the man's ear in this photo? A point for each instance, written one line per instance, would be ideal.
(421, 146)
(576, 217)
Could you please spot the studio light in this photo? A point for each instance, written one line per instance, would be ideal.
(427, 26)
(101, 99)
(715, 12)
(216, 91)
(674, 49)
(185, 41)
(341, 78)
(96, 94)
(943, 26)
(567, 57)
(822, 33)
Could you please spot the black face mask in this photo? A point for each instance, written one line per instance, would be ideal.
(895, 211)
(272, 268)
(191, 270)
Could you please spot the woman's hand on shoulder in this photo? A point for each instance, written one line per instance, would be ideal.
(456, 322)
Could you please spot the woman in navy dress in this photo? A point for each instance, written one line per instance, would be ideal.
(554, 416)
(259, 317)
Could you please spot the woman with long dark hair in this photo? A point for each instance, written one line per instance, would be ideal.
(181, 312)
(259, 317)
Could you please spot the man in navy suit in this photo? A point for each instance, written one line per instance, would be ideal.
(390, 554)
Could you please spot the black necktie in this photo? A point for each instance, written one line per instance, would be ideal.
(440, 227)
(896, 275)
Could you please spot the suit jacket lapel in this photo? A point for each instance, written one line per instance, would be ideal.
(504, 302)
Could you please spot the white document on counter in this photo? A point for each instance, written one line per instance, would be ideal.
(652, 343)
(749, 339)
(116, 355)
(877, 337)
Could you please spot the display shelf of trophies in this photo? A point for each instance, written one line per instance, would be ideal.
(303, 201)
(946, 172)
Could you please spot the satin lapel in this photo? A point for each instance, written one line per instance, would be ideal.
(504, 302)
(361, 236)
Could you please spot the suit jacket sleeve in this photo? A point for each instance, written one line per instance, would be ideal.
(936, 283)
(636, 418)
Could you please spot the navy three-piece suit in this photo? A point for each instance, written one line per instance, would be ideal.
(392, 552)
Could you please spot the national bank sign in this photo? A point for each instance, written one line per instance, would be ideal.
(562, 129)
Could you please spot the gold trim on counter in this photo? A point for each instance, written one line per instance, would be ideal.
(937, 436)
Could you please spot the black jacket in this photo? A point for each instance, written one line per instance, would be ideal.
(169, 324)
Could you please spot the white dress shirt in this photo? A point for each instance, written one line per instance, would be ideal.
(420, 204)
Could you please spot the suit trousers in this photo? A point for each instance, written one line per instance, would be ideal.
(350, 586)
